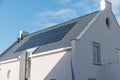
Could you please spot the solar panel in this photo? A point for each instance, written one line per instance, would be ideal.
(46, 37)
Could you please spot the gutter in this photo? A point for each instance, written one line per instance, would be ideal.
(9, 61)
(50, 52)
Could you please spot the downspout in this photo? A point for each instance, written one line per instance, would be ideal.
(72, 61)
(25, 64)
(29, 52)
(72, 71)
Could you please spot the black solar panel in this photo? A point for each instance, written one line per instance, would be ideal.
(46, 37)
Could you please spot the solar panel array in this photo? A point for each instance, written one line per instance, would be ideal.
(46, 37)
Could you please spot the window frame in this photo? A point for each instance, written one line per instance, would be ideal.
(96, 47)
(8, 74)
(118, 52)
(108, 22)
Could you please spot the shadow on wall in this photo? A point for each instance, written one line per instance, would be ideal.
(62, 70)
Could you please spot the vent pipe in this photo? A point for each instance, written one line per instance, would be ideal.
(23, 34)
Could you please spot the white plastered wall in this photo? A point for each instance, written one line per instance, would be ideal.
(13, 67)
(109, 38)
(51, 66)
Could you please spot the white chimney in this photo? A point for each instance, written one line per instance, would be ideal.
(102, 4)
(23, 34)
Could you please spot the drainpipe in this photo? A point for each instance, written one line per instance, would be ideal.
(73, 60)
(72, 70)
(25, 64)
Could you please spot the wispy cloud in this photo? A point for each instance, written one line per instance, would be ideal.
(63, 1)
(50, 24)
(51, 17)
(62, 14)
(86, 6)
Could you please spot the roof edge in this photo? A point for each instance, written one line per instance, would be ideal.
(51, 52)
(88, 26)
(9, 61)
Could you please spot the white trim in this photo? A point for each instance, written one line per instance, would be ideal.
(9, 61)
(51, 52)
(88, 26)
(31, 49)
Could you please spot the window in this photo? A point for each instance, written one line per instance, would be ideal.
(108, 22)
(91, 79)
(96, 53)
(8, 74)
(118, 52)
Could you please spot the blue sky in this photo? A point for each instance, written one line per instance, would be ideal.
(34, 15)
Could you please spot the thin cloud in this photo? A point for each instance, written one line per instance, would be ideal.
(63, 1)
(86, 7)
(50, 24)
(50, 17)
(62, 14)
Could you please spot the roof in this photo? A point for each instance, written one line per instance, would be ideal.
(51, 38)
(46, 37)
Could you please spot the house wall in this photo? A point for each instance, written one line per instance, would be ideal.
(112, 71)
(13, 66)
(52, 66)
(83, 54)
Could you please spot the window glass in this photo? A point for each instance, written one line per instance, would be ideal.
(118, 52)
(96, 53)
(8, 74)
(108, 22)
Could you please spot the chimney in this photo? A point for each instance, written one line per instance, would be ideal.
(102, 4)
(23, 34)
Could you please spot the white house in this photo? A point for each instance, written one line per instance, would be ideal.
(85, 48)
